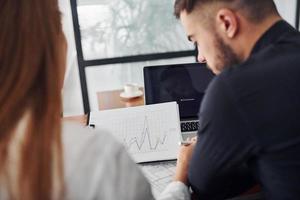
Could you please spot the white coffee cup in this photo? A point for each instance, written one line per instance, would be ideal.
(131, 89)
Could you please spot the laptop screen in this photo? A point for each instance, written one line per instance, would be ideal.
(183, 83)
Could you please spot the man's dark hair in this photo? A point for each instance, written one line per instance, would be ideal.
(255, 10)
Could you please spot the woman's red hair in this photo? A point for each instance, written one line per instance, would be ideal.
(30, 73)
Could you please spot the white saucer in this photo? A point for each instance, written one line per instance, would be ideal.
(132, 95)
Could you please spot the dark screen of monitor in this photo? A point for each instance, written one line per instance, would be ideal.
(185, 84)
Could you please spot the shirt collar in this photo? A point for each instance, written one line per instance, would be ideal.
(272, 35)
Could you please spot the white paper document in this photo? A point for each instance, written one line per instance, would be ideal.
(149, 133)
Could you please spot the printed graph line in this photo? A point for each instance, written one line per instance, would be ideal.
(145, 138)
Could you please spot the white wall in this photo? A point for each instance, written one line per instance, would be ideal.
(287, 9)
(72, 99)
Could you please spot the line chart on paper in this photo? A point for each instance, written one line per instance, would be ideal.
(145, 139)
(148, 133)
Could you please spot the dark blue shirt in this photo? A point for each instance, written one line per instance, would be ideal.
(250, 123)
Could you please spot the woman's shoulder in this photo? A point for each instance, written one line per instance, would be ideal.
(99, 167)
(87, 153)
(77, 138)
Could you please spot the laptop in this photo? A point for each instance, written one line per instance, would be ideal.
(183, 83)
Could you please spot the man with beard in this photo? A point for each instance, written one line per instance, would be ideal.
(249, 117)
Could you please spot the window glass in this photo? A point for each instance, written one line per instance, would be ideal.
(118, 28)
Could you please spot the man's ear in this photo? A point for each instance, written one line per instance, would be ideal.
(227, 22)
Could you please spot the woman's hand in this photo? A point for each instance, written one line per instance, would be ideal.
(183, 161)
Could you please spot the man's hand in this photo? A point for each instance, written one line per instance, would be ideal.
(183, 161)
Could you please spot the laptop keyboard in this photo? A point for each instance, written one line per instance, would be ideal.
(189, 126)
